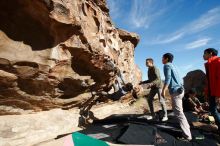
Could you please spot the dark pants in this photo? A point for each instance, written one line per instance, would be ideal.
(150, 100)
(114, 96)
(213, 110)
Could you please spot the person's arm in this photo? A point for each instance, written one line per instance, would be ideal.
(144, 82)
(121, 77)
(197, 106)
(196, 109)
(157, 80)
(197, 101)
(167, 74)
(115, 86)
(165, 88)
(192, 103)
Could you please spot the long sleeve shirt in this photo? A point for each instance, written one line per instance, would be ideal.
(172, 78)
(153, 77)
(120, 82)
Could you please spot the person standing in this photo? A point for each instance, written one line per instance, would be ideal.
(176, 90)
(212, 67)
(154, 83)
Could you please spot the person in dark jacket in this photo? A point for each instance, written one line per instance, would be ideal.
(212, 67)
(154, 83)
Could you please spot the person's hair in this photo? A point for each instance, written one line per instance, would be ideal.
(150, 59)
(128, 87)
(211, 50)
(168, 56)
(192, 91)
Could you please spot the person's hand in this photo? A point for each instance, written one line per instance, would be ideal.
(136, 89)
(163, 93)
(140, 83)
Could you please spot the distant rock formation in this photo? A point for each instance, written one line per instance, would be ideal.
(54, 52)
(195, 79)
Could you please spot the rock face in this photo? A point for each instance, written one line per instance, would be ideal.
(32, 129)
(53, 53)
(195, 79)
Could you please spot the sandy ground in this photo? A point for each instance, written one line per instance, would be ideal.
(136, 108)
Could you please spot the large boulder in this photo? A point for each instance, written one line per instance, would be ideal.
(195, 79)
(53, 53)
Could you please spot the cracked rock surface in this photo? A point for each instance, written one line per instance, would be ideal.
(53, 53)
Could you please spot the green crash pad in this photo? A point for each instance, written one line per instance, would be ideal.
(80, 139)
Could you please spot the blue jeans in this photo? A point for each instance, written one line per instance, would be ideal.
(213, 110)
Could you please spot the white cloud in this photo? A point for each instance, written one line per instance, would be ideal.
(198, 43)
(169, 39)
(114, 8)
(144, 12)
(204, 22)
(187, 67)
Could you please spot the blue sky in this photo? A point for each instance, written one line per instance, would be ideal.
(182, 27)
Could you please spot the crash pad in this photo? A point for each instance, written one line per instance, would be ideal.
(80, 139)
(139, 134)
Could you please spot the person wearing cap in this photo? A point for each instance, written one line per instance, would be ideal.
(212, 67)
(176, 90)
